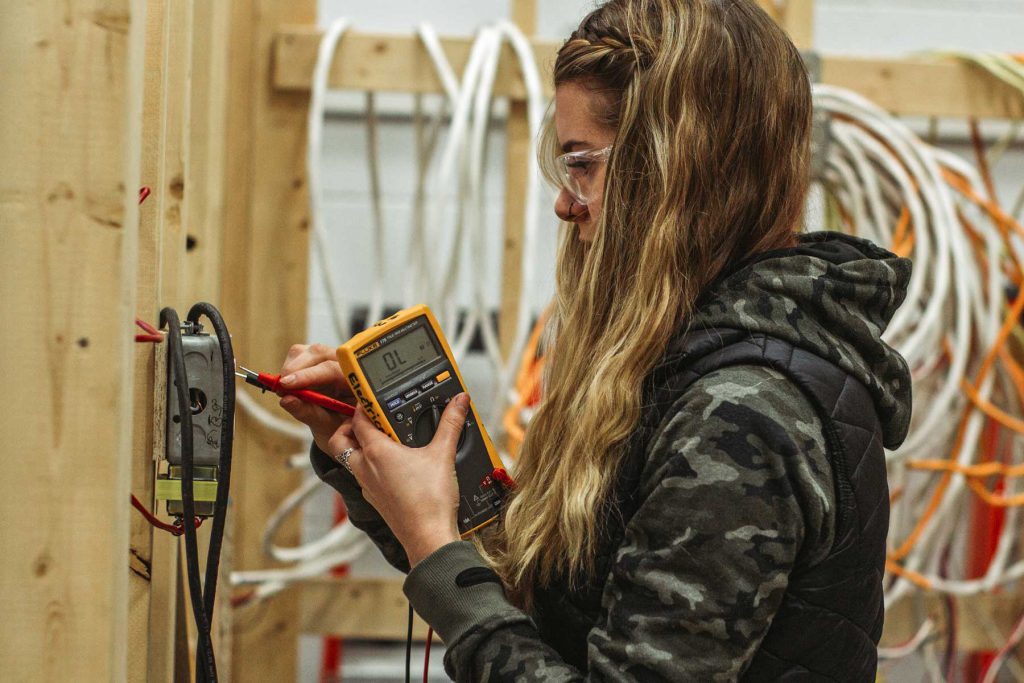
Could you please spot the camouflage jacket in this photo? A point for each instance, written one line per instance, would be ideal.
(736, 487)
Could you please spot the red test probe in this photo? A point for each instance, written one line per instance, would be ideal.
(273, 383)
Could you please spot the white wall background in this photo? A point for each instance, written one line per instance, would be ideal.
(852, 27)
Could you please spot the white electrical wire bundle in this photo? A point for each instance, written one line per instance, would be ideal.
(341, 545)
(461, 174)
(904, 194)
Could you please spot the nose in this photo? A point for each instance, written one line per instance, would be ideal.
(568, 209)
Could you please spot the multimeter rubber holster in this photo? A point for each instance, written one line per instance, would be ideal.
(402, 372)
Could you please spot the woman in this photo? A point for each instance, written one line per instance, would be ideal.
(702, 493)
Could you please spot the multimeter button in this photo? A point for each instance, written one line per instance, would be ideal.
(394, 402)
(400, 416)
(443, 376)
(412, 393)
(426, 385)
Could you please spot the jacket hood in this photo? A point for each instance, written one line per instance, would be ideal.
(832, 295)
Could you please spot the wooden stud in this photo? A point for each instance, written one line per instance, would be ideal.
(203, 218)
(798, 20)
(517, 161)
(147, 279)
(182, 117)
(386, 63)
(914, 87)
(264, 280)
(905, 87)
(72, 89)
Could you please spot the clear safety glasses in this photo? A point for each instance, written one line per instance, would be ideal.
(577, 170)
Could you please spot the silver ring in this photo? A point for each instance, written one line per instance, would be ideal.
(343, 458)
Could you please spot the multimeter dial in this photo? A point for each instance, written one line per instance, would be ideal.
(426, 426)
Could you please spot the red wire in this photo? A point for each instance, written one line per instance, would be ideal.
(986, 527)
(152, 334)
(333, 647)
(173, 529)
(426, 654)
(143, 193)
(240, 599)
(146, 326)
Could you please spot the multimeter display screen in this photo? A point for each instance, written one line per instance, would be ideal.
(405, 353)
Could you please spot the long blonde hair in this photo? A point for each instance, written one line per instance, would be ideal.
(711, 104)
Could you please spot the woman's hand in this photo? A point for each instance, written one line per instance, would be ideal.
(316, 367)
(413, 489)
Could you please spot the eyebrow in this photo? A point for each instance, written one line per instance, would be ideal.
(569, 144)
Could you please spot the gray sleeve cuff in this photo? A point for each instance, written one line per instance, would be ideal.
(454, 590)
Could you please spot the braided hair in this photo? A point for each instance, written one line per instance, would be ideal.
(710, 106)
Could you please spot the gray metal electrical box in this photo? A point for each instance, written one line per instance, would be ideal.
(203, 367)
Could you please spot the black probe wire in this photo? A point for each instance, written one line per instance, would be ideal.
(408, 649)
(206, 667)
(220, 510)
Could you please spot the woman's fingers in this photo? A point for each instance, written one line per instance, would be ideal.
(315, 417)
(303, 356)
(366, 432)
(326, 373)
(453, 419)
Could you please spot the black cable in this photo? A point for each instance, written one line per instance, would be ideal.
(408, 649)
(220, 509)
(206, 668)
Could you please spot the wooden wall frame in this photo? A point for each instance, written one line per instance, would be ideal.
(397, 63)
(206, 103)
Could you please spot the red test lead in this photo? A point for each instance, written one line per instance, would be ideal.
(273, 383)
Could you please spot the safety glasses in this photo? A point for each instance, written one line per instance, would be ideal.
(577, 170)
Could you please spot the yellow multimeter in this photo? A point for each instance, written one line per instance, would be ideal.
(403, 374)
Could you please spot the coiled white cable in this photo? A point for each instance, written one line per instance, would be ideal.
(341, 536)
(340, 313)
(535, 106)
(268, 420)
(951, 317)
